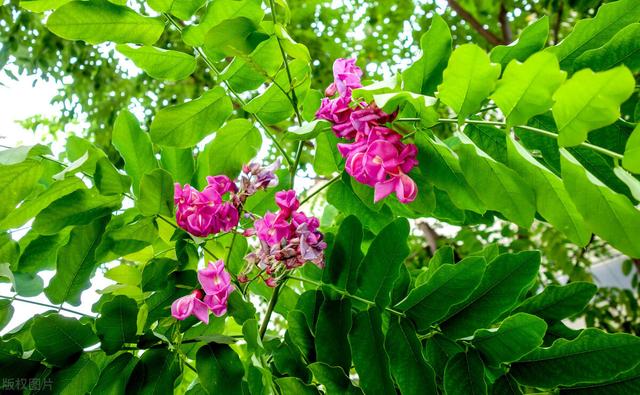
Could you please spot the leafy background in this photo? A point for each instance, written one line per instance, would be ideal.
(449, 304)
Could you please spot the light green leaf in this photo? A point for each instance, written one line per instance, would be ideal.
(593, 356)
(559, 302)
(231, 37)
(235, 145)
(517, 335)
(408, 366)
(464, 375)
(525, 89)
(76, 264)
(179, 162)
(249, 72)
(610, 215)
(183, 9)
(6, 312)
(160, 63)
(595, 32)
(309, 130)
(629, 180)
(77, 208)
(327, 160)
(219, 369)
(623, 48)
(424, 75)
(18, 180)
(380, 266)
(369, 356)
(156, 193)
(134, 146)
(422, 105)
(30, 208)
(631, 159)
(448, 285)
(498, 187)
(532, 39)
(42, 5)
(184, 125)
(40, 253)
(505, 279)
(99, 21)
(552, 200)
(155, 373)
(341, 196)
(117, 323)
(588, 101)
(108, 180)
(12, 156)
(219, 11)
(61, 339)
(468, 80)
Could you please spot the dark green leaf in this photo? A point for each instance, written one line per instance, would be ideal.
(155, 373)
(464, 374)
(219, 369)
(117, 323)
(331, 331)
(334, 379)
(623, 48)
(108, 180)
(114, 377)
(624, 383)
(559, 302)
(61, 339)
(300, 333)
(293, 385)
(345, 256)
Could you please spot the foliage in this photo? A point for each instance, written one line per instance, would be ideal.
(381, 316)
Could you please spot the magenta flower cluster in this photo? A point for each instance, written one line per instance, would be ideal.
(216, 284)
(288, 239)
(376, 156)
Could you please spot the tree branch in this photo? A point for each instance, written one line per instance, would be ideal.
(504, 25)
(464, 14)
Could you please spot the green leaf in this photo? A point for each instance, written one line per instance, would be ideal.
(249, 72)
(184, 125)
(592, 357)
(408, 366)
(332, 330)
(77, 208)
(505, 279)
(79, 378)
(134, 146)
(631, 159)
(12, 156)
(219, 369)
(506, 385)
(441, 166)
(595, 32)
(61, 339)
(532, 39)
(235, 145)
(498, 187)
(42, 5)
(589, 101)
(380, 267)
(623, 48)
(179, 162)
(525, 89)
(126, 234)
(156, 193)
(341, 196)
(423, 106)
(616, 219)
(231, 37)
(559, 302)
(293, 385)
(156, 272)
(327, 160)
(300, 334)
(219, 11)
(31, 207)
(334, 379)
(630, 181)
(468, 80)
(160, 63)
(18, 181)
(6, 312)
(517, 335)
(117, 323)
(346, 254)
(155, 373)
(114, 377)
(424, 75)
(108, 180)
(183, 9)
(40, 252)
(624, 383)
(464, 374)
(552, 200)
(99, 21)
(448, 285)
(76, 264)
(369, 356)
(309, 130)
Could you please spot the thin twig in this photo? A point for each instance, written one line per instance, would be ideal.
(270, 307)
(46, 305)
(320, 189)
(464, 14)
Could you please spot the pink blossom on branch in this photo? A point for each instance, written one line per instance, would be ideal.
(191, 304)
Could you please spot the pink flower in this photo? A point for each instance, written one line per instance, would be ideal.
(346, 75)
(331, 90)
(272, 228)
(288, 202)
(217, 302)
(214, 278)
(404, 187)
(339, 113)
(189, 305)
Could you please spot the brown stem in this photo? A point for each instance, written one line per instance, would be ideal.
(504, 25)
(464, 14)
(556, 26)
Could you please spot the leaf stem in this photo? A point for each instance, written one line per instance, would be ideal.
(46, 305)
(347, 294)
(270, 307)
(601, 150)
(320, 189)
